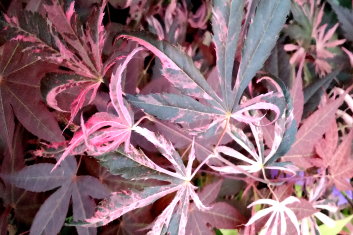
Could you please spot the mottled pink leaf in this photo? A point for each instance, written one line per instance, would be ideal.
(177, 67)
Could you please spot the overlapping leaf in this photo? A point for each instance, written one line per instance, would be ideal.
(175, 108)
(177, 67)
(104, 132)
(20, 75)
(221, 214)
(337, 158)
(226, 24)
(267, 23)
(310, 132)
(67, 42)
(136, 165)
(51, 215)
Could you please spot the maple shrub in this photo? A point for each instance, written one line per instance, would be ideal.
(176, 117)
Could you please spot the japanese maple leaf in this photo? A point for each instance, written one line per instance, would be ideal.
(61, 39)
(311, 131)
(104, 132)
(257, 160)
(314, 194)
(221, 214)
(279, 210)
(181, 72)
(51, 216)
(20, 74)
(336, 158)
(199, 107)
(136, 165)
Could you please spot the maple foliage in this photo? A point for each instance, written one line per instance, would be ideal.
(175, 117)
(20, 96)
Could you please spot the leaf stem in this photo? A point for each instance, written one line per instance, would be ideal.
(223, 132)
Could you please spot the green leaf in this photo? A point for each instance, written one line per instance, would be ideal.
(339, 225)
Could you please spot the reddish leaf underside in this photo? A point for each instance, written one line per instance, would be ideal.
(52, 214)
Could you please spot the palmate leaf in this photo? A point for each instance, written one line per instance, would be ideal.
(67, 42)
(336, 158)
(136, 165)
(279, 210)
(20, 75)
(50, 217)
(310, 132)
(263, 32)
(31, 28)
(180, 71)
(104, 132)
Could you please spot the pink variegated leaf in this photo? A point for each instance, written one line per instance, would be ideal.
(78, 103)
(226, 25)
(105, 132)
(174, 108)
(41, 38)
(54, 84)
(257, 158)
(177, 67)
(102, 133)
(94, 35)
(116, 94)
(68, 30)
(237, 115)
(279, 211)
(165, 147)
(323, 44)
(155, 27)
(135, 165)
